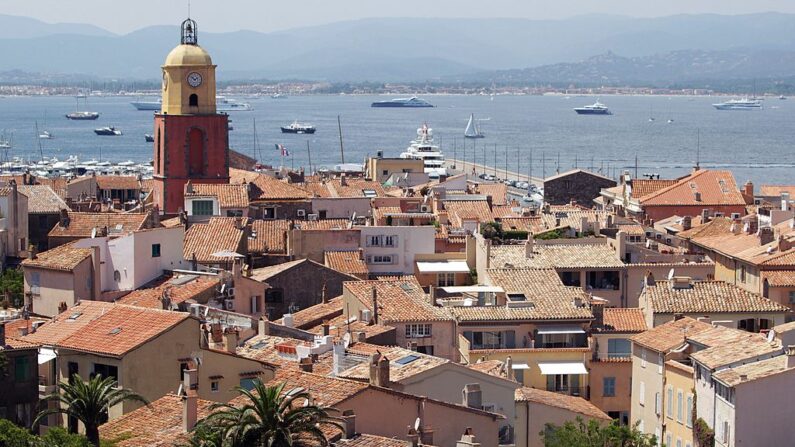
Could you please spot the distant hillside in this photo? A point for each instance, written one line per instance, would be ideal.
(389, 49)
(664, 69)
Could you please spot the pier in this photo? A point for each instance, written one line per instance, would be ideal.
(459, 166)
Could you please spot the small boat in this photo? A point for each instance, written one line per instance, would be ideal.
(147, 105)
(596, 108)
(473, 130)
(739, 104)
(45, 135)
(297, 127)
(82, 116)
(149, 138)
(278, 96)
(670, 121)
(782, 97)
(108, 130)
(402, 102)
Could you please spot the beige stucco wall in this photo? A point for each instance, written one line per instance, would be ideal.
(532, 376)
(680, 380)
(622, 371)
(391, 416)
(529, 428)
(312, 244)
(651, 376)
(763, 413)
(56, 286)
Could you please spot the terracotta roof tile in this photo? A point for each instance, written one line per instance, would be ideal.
(715, 187)
(356, 187)
(179, 290)
(642, 188)
(81, 224)
(42, 199)
(776, 190)
(622, 320)
(490, 367)
(219, 234)
(566, 256)
(400, 300)
(571, 403)
(339, 326)
(632, 230)
(270, 236)
(753, 371)
(228, 195)
(706, 297)
(326, 391)
(723, 346)
(314, 315)
(497, 191)
(264, 187)
(670, 335)
(107, 182)
(459, 211)
(365, 440)
(535, 224)
(397, 372)
(349, 262)
(779, 278)
(158, 424)
(64, 257)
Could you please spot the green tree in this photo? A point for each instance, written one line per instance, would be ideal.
(593, 434)
(269, 417)
(89, 402)
(14, 436)
(12, 281)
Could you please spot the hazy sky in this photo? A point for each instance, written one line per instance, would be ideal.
(261, 15)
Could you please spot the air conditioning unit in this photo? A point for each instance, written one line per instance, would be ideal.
(300, 213)
(735, 216)
(229, 305)
(312, 217)
(230, 292)
(425, 209)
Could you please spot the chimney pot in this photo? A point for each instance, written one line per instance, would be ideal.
(287, 320)
(326, 328)
(306, 364)
(263, 326)
(379, 370)
(349, 421)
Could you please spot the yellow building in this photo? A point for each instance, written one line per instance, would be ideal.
(188, 77)
(678, 404)
(380, 169)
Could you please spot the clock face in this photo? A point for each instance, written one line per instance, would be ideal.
(194, 79)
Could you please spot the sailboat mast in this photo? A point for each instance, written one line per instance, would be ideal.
(38, 139)
(339, 128)
(309, 156)
(256, 150)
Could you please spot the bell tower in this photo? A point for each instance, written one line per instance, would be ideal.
(191, 137)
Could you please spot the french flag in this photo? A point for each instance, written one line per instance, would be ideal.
(283, 150)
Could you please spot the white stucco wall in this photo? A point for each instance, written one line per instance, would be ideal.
(410, 242)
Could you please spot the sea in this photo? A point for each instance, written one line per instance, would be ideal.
(535, 135)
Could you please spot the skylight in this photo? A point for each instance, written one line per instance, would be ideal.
(115, 331)
(75, 316)
(370, 193)
(407, 359)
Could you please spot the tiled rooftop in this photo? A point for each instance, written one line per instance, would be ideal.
(81, 224)
(158, 424)
(715, 188)
(706, 297)
(106, 182)
(726, 346)
(314, 315)
(459, 211)
(779, 278)
(670, 335)
(571, 403)
(644, 187)
(228, 195)
(349, 262)
(63, 257)
(622, 320)
(415, 363)
(398, 300)
(42, 199)
(365, 440)
(270, 236)
(776, 190)
(218, 235)
(562, 256)
(178, 290)
(753, 371)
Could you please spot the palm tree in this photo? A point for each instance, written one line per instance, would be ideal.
(270, 417)
(89, 402)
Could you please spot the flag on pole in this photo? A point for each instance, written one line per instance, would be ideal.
(283, 150)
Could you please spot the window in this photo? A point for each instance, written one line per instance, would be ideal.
(792, 296)
(155, 250)
(657, 404)
(274, 296)
(689, 411)
(742, 274)
(668, 440)
(374, 241)
(418, 330)
(679, 406)
(202, 207)
(390, 241)
(609, 386)
(445, 279)
(248, 383)
(642, 357)
(678, 442)
(234, 213)
(669, 404)
(385, 172)
(618, 348)
(23, 370)
(269, 212)
(214, 386)
(642, 393)
(105, 371)
(660, 364)
(193, 100)
(425, 350)
(380, 259)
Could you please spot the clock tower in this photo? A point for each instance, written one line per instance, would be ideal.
(191, 138)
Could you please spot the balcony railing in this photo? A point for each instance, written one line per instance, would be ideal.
(581, 391)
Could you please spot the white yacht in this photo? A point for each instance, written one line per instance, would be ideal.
(739, 104)
(422, 148)
(222, 104)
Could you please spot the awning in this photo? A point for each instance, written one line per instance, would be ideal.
(45, 355)
(442, 267)
(561, 329)
(552, 368)
(520, 366)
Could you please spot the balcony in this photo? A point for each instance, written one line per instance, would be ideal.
(580, 391)
(46, 389)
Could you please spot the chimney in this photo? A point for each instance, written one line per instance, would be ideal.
(783, 243)
(287, 320)
(343, 180)
(489, 201)
(375, 305)
(697, 196)
(784, 201)
(467, 439)
(305, 364)
(230, 340)
(790, 352)
(326, 327)
(190, 399)
(432, 295)
(413, 437)
(705, 214)
(32, 252)
(736, 226)
(189, 187)
(64, 220)
(360, 336)
(338, 358)
(165, 299)
(749, 189)
(473, 396)
(529, 246)
(349, 423)
(263, 326)
(2, 335)
(323, 296)
(598, 310)
(577, 302)
(765, 235)
(426, 436)
(687, 223)
(239, 223)
(379, 370)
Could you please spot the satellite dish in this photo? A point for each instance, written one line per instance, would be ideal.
(771, 336)
(223, 288)
(179, 390)
(346, 339)
(417, 425)
(93, 233)
(670, 274)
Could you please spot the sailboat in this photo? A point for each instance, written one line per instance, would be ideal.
(472, 130)
(44, 134)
